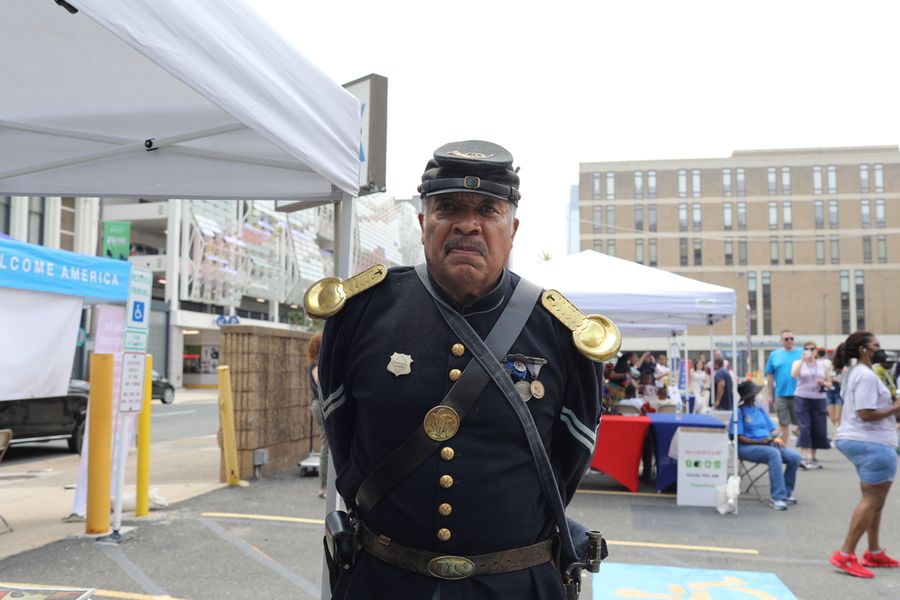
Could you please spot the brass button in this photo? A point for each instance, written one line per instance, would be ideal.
(458, 349)
(454, 374)
(443, 534)
(445, 509)
(446, 481)
(447, 453)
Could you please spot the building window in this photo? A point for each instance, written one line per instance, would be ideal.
(882, 249)
(726, 182)
(598, 245)
(751, 300)
(683, 252)
(773, 215)
(638, 185)
(597, 222)
(864, 179)
(4, 214)
(729, 253)
(682, 183)
(727, 217)
(860, 301)
(742, 216)
(817, 180)
(788, 251)
(67, 224)
(786, 181)
(695, 183)
(742, 252)
(767, 302)
(879, 179)
(865, 213)
(845, 302)
(772, 181)
(652, 251)
(879, 212)
(610, 186)
(611, 247)
(651, 184)
(610, 219)
(787, 214)
(638, 217)
(740, 174)
(682, 217)
(651, 217)
(833, 214)
(696, 214)
(773, 250)
(639, 251)
(835, 250)
(832, 179)
(597, 182)
(820, 250)
(698, 252)
(867, 249)
(819, 212)
(36, 221)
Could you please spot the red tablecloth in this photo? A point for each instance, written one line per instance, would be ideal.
(620, 442)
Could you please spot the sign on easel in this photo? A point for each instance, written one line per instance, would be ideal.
(702, 465)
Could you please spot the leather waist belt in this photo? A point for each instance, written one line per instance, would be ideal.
(442, 566)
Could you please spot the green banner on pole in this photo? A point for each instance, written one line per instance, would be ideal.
(117, 239)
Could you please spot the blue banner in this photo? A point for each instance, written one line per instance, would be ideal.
(29, 267)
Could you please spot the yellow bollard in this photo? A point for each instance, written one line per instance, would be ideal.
(100, 443)
(142, 493)
(226, 420)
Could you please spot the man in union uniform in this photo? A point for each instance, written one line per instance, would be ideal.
(389, 358)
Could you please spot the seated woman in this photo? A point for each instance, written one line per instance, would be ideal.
(756, 443)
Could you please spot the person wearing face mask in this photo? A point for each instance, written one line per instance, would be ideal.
(868, 438)
(813, 380)
(758, 443)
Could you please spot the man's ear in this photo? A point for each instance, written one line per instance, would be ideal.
(515, 225)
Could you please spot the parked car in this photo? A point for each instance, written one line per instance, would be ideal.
(162, 389)
(46, 419)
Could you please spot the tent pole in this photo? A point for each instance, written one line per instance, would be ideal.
(734, 401)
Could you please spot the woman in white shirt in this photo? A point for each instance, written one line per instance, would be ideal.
(700, 386)
(868, 438)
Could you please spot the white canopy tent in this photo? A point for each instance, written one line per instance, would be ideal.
(639, 299)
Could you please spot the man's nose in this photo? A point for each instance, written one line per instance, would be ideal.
(468, 223)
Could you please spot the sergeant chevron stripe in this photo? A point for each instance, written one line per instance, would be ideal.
(581, 432)
(334, 401)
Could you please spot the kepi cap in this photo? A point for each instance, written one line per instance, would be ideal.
(472, 166)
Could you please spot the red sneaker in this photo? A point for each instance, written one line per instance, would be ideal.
(878, 560)
(849, 565)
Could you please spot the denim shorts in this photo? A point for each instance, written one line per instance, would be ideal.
(875, 463)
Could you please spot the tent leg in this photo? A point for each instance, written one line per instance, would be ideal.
(734, 402)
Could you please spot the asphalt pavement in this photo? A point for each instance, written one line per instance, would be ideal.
(265, 540)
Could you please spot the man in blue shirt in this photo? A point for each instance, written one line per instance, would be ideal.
(778, 375)
(723, 386)
(757, 444)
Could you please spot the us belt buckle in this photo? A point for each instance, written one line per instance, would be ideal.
(451, 567)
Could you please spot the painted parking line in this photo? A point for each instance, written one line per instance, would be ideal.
(172, 414)
(98, 593)
(674, 583)
(688, 547)
(223, 515)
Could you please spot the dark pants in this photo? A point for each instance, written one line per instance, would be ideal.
(812, 418)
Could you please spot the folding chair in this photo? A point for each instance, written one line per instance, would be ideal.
(752, 473)
(626, 409)
(5, 437)
(665, 408)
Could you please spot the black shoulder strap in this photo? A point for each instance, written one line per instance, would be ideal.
(461, 397)
(488, 360)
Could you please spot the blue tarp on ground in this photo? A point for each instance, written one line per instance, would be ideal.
(36, 268)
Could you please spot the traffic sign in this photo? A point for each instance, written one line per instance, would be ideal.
(131, 392)
(140, 288)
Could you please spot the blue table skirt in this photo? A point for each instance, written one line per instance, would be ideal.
(662, 429)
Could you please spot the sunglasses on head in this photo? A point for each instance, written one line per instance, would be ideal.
(790, 339)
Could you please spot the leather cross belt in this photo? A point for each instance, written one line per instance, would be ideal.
(443, 566)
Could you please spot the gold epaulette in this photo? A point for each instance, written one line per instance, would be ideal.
(595, 336)
(326, 297)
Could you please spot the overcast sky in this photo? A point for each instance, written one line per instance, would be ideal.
(558, 83)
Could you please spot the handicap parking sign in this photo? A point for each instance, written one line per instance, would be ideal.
(137, 312)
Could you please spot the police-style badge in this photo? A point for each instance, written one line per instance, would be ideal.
(400, 364)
